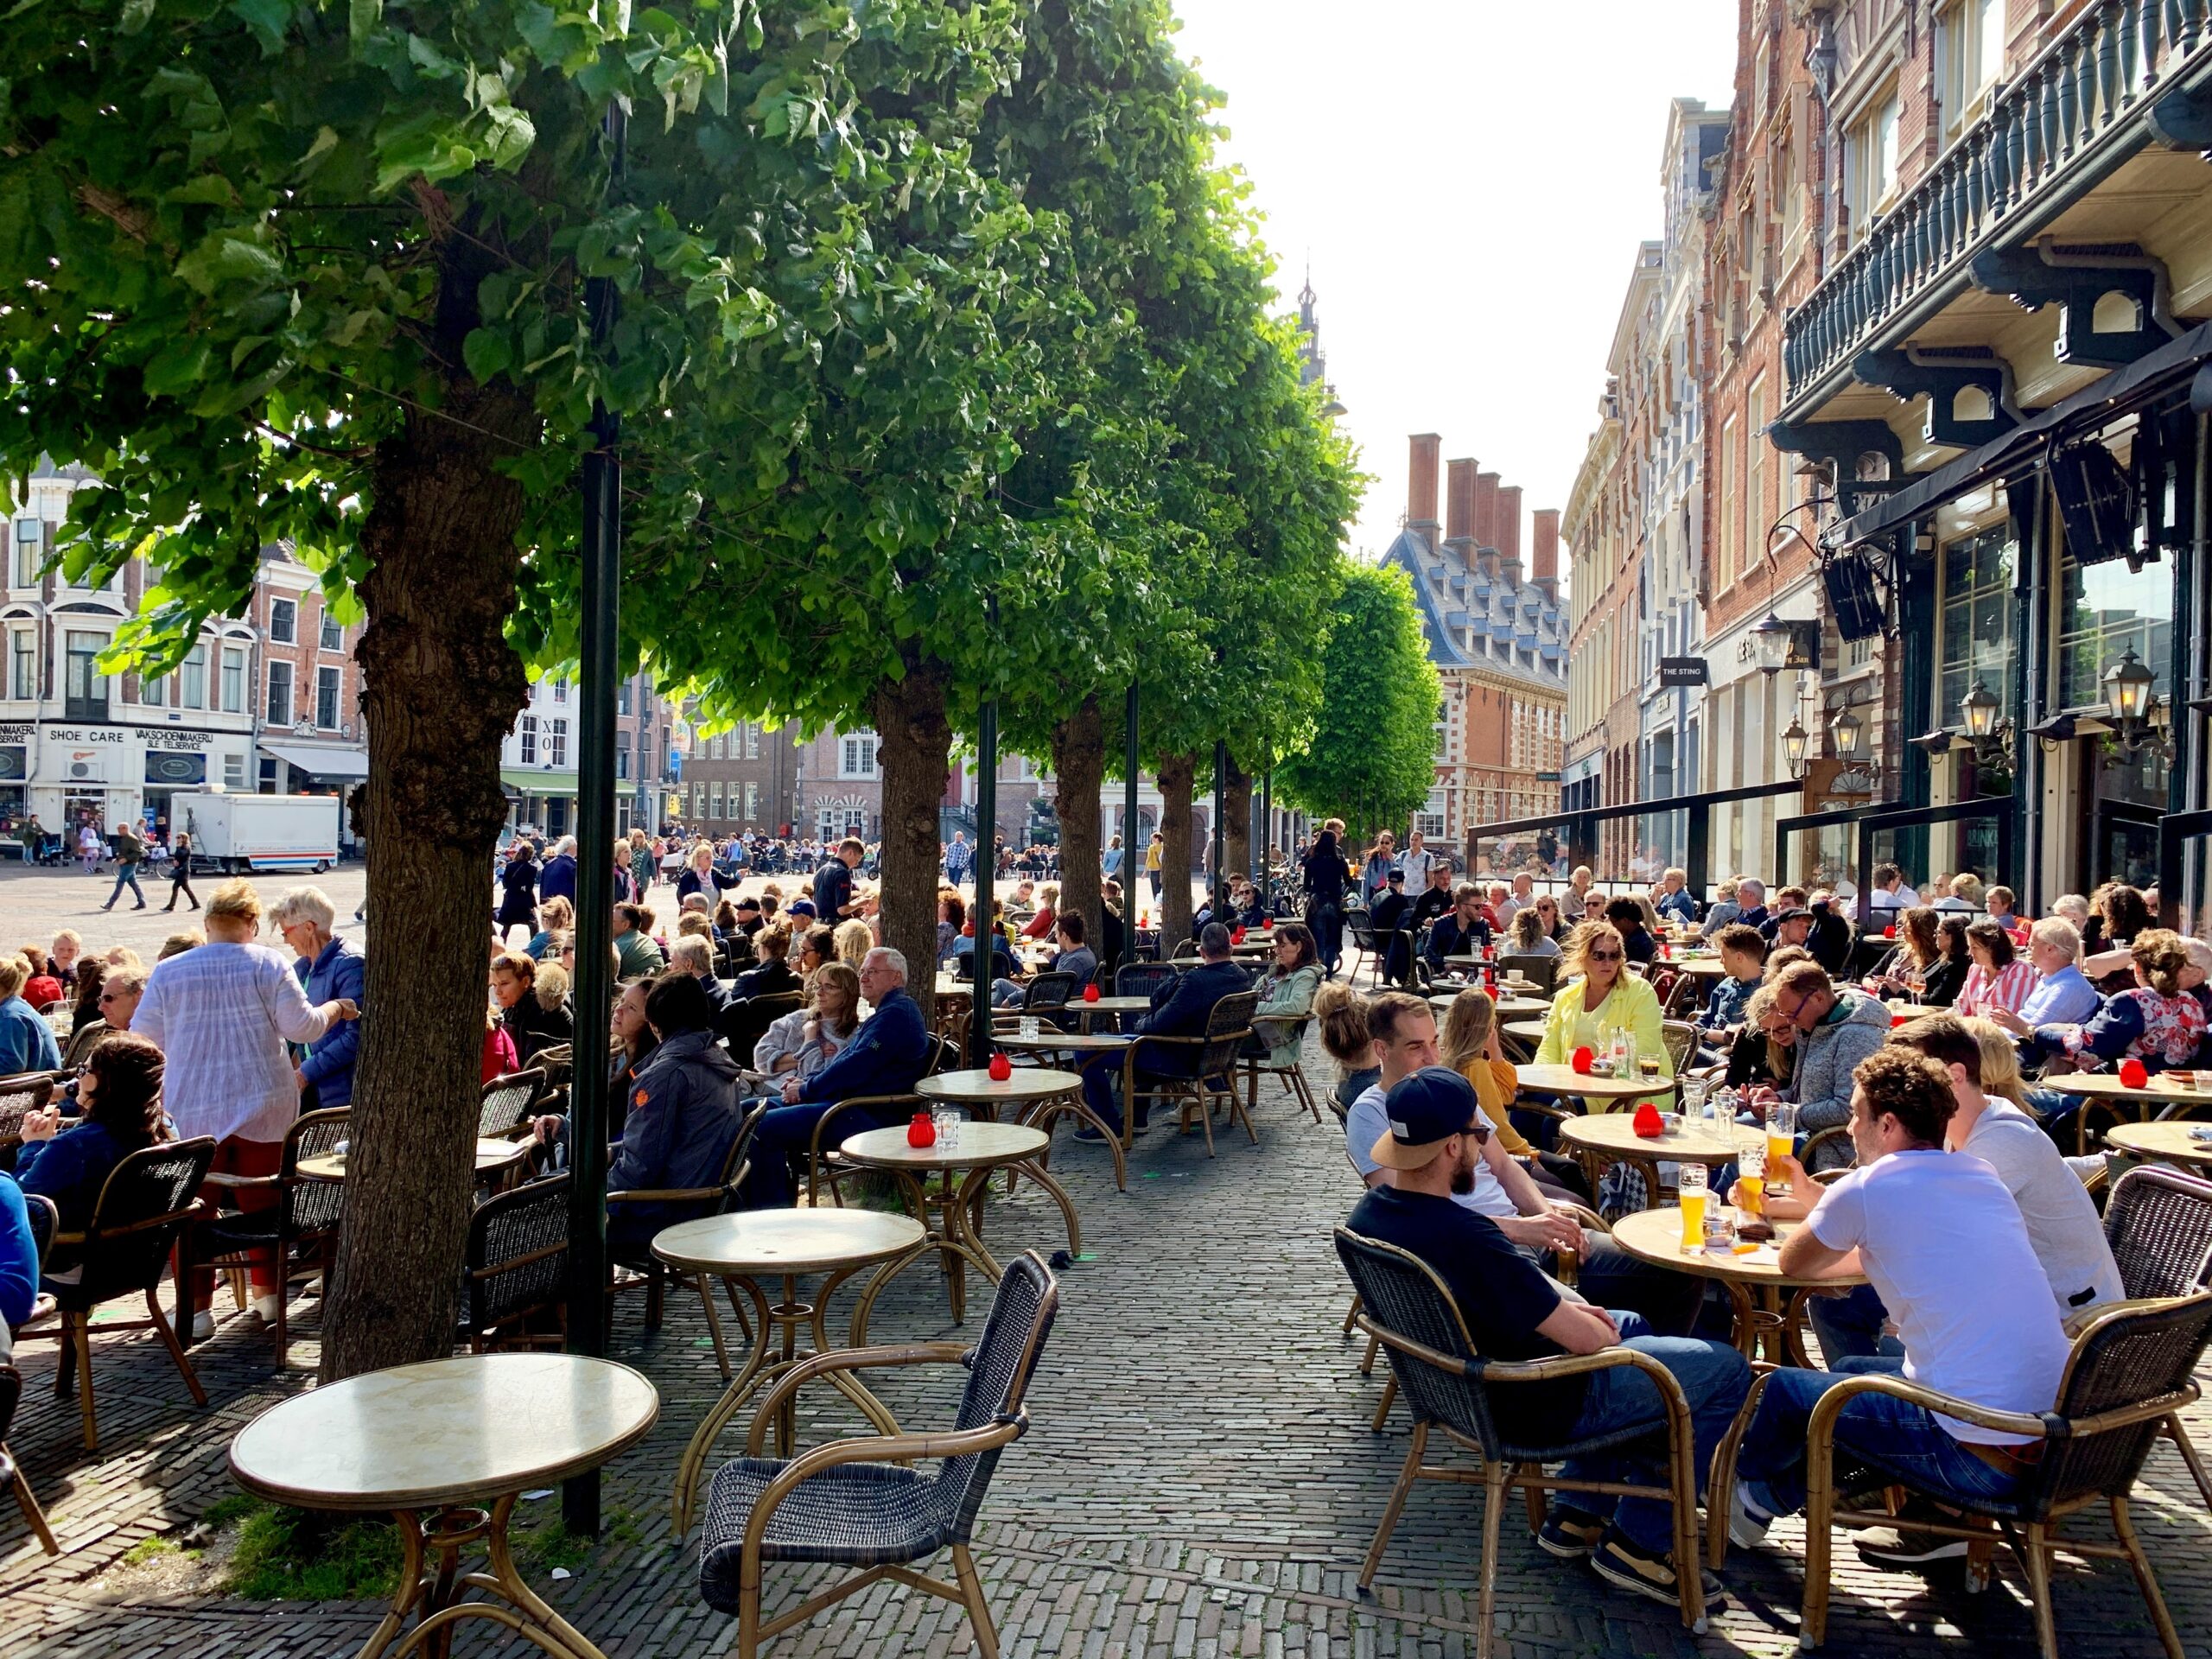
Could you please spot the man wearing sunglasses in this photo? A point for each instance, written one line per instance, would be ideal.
(1430, 1150)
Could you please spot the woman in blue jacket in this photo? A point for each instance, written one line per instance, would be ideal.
(120, 1095)
(330, 968)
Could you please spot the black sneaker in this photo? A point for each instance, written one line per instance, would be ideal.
(1089, 1136)
(1569, 1534)
(1621, 1563)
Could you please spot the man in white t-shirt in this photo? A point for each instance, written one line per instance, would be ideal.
(1942, 1243)
(2062, 1220)
(1417, 861)
(1404, 1029)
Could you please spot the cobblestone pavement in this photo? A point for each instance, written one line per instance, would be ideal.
(1200, 1479)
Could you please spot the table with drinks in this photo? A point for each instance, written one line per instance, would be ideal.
(2133, 1090)
(1741, 1248)
(1690, 1142)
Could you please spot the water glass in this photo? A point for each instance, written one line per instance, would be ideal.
(1029, 1026)
(947, 1120)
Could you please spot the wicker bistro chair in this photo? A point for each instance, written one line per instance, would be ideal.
(1405, 1307)
(143, 1211)
(860, 1501)
(515, 1264)
(690, 1203)
(1281, 1061)
(21, 1095)
(305, 1218)
(747, 1019)
(825, 1165)
(508, 1104)
(1211, 1057)
(1142, 978)
(2158, 1222)
(1681, 1039)
(46, 1221)
(1048, 994)
(1543, 972)
(2129, 1373)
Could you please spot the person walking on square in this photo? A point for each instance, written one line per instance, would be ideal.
(129, 849)
(180, 875)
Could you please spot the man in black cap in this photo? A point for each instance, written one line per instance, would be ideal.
(1393, 919)
(748, 918)
(1513, 1312)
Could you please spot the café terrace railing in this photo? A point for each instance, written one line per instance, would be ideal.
(2075, 112)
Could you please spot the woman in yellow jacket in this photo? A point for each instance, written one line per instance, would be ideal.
(1602, 998)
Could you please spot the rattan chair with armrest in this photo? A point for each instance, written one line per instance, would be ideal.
(2128, 1374)
(515, 1264)
(1281, 1061)
(2158, 1222)
(46, 1221)
(860, 1501)
(21, 1095)
(1405, 1307)
(690, 1203)
(148, 1201)
(508, 1104)
(305, 1216)
(1142, 978)
(1213, 1056)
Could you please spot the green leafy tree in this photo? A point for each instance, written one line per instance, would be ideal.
(300, 270)
(1372, 760)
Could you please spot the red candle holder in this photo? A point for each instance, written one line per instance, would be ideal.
(1582, 1060)
(1648, 1123)
(1000, 1068)
(1090, 993)
(921, 1130)
(2133, 1074)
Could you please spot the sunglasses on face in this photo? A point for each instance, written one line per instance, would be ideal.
(1604, 956)
(1477, 1134)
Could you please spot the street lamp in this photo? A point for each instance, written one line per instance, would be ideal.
(1772, 638)
(2136, 709)
(1850, 734)
(1794, 743)
(1989, 735)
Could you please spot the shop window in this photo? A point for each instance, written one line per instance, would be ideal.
(2105, 609)
(1976, 626)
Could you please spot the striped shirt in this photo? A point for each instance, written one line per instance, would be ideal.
(221, 1014)
(2008, 989)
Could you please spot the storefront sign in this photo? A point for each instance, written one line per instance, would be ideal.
(174, 769)
(14, 763)
(161, 737)
(1684, 670)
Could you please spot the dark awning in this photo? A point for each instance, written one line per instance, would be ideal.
(2108, 397)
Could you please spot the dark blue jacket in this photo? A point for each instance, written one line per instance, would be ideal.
(70, 1169)
(18, 1254)
(684, 1111)
(337, 972)
(886, 1055)
(558, 878)
(1445, 939)
(26, 1041)
(1678, 904)
(1183, 1010)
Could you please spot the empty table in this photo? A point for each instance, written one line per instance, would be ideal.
(2160, 1094)
(742, 1248)
(430, 1445)
(1037, 1094)
(2170, 1141)
(981, 1148)
(490, 1155)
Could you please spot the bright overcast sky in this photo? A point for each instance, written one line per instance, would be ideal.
(1470, 180)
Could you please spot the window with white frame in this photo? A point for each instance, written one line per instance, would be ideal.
(715, 799)
(328, 688)
(284, 620)
(191, 690)
(560, 692)
(1732, 465)
(280, 693)
(856, 755)
(233, 679)
(752, 801)
(1755, 453)
(556, 742)
(234, 771)
(752, 741)
(1871, 162)
(1969, 59)
(527, 731)
(153, 691)
(30, 551)
(333, 633)
(22, 664)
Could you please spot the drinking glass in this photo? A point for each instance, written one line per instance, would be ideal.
(1028, 1027)
(1781, 1141)
(1750, 1179)
(1690, 1185)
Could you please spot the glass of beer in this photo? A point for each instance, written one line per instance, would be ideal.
(1689, 1184)
(1751, 1193)
(1781, 1143)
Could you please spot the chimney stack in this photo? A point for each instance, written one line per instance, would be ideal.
(1485, 527)
(1459, 507)
(1421, 484)
(1507, 526)
(1544, 544)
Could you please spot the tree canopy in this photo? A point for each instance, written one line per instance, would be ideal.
(1372, 757)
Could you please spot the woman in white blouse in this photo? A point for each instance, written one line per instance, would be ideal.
(804, 1040)
(222, 1014)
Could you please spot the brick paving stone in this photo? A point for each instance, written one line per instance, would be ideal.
(1200, 1480)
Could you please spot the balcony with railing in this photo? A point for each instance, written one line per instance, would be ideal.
(2073, 114)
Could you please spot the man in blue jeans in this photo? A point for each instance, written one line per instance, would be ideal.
(1515, 1310)
(1940, 1240)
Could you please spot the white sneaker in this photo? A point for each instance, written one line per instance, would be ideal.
(203, 1325)
(1747, 1523)
(265, 1306)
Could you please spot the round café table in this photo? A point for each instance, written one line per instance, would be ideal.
(1032, 1095)
(1753, 1279)
(742, 1248)
(2170, 1142)
(431, 1445)
(1509, 1006)
(1604, 1093)
(1112, 1004)
(2160, 1094)
(490, 1155)
(1611, 1138)
(1527, 1032)
(1703, 967)
(982, 1147)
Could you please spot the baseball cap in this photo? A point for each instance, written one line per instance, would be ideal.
(748, 904)
(799, 907)
(1426, 1109)
(1394, 875)
(1793, 916)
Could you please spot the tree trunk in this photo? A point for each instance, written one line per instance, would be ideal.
(440, 689)
(1079, 765)
(1237, 812)
(915, 750)
(1176, 772)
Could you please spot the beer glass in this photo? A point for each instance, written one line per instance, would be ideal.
(1751, 1178)
(1781, 1143)
(1690, 1185)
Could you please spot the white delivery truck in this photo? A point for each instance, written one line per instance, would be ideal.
(236, 834)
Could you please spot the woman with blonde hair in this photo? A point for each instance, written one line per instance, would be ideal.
(1341, 1014)
(1602, 1000)
(554, 918)
(800, 1043)
(2000, 1063)
(1469, 1045)
(854, 941)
